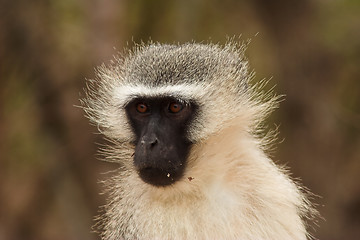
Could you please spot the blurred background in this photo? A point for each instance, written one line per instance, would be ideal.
(49, 171)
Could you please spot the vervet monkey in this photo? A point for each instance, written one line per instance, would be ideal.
(185, 123)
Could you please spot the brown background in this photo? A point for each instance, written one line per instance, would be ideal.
(48, 168)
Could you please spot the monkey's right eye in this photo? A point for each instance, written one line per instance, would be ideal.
(142, 108)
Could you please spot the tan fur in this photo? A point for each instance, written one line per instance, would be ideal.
(235, 192)
(231, 189)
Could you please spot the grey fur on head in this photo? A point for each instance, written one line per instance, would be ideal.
(208, 73)
(231, 189)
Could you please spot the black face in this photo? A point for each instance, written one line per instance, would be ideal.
(160, 126)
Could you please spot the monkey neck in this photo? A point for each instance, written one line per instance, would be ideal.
(230, 188)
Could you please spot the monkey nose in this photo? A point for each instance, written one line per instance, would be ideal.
(154, 142)
(149, 142)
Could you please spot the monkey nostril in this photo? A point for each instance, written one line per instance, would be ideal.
(153, 143)
(150, 143)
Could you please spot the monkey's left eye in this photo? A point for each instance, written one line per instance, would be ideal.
(142, 108)
(175, 107)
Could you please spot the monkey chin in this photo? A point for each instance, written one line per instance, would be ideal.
(160, 177)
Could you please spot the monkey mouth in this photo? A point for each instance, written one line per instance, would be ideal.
(159, 177)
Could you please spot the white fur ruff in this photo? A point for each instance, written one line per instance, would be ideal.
(231, 190)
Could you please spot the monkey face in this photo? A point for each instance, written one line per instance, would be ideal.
(161, 146)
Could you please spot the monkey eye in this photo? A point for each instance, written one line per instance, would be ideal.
(142, 108)
(175, 107)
